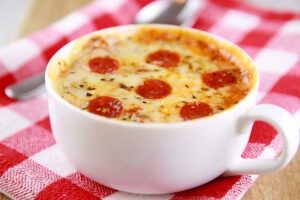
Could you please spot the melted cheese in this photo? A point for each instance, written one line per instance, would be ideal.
(78, 85)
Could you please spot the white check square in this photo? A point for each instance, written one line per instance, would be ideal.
(107, 5)
(260, 96)
(275, 61)
(291, 28)
(11, 123)
(18, 53)
(33, 109)
(53, 159)
(71, 23)
(125, 14)
(26, 180)
(235, 25)
(239, 20)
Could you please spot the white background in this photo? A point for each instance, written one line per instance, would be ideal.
(11, 14)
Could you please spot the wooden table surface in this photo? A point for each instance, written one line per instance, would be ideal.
(282, 185)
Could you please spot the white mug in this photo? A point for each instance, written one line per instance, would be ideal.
(158, 158)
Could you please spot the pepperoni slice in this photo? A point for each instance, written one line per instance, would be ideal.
(164, 58)
(105, 106)
(154, 89)
(195, 110)
(103, 65)
(219, 79)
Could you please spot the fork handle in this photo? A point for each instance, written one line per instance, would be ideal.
(26, 88)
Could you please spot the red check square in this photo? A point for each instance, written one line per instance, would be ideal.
(284, 85)
(9, 157)
(45, 123)
(5, 81)
(64, 189)
(96, 189)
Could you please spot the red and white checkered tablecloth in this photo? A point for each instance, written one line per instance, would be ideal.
(33, 167)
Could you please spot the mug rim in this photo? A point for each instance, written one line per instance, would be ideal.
(51, 91)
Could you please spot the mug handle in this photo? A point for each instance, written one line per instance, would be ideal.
(286, 126)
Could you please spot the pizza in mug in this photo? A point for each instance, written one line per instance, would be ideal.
(152, 74)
